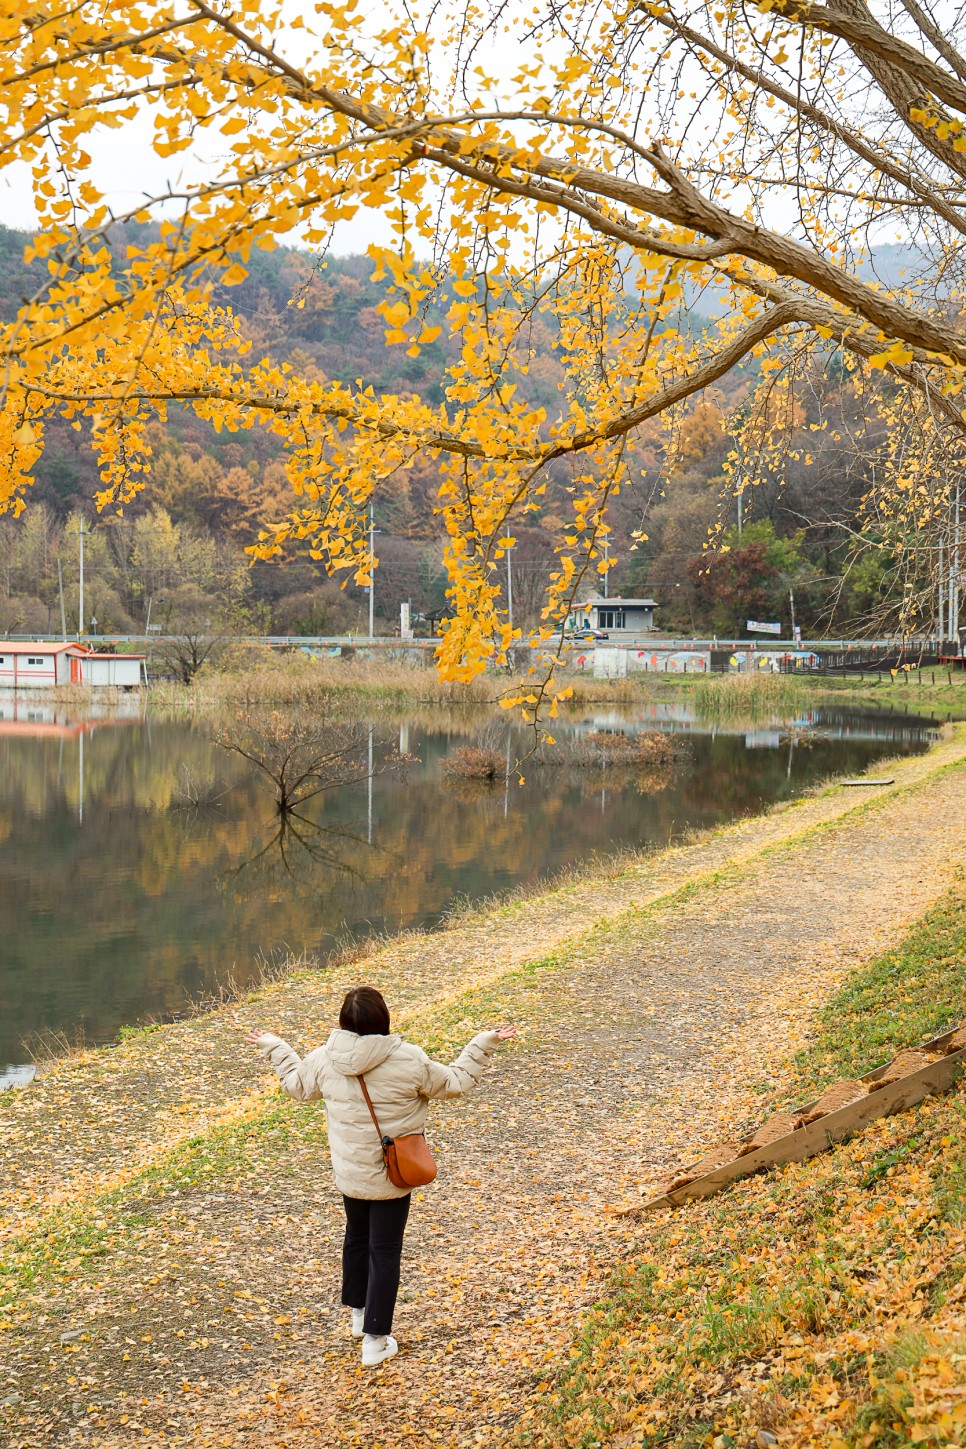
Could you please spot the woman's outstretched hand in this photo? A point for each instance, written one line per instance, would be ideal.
(506, 1032)
(255, 1037)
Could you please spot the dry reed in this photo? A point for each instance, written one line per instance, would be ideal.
(258, 677)
(754, 697)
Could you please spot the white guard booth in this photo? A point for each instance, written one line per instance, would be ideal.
(610, 663)
(118, 671)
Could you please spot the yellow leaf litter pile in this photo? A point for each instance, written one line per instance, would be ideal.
(170, 1232)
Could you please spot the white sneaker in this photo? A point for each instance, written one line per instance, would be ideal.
(377, 1347)
(358, 1319)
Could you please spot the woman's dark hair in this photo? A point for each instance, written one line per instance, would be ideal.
(365, 1012)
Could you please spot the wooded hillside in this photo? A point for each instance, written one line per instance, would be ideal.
(181, 543)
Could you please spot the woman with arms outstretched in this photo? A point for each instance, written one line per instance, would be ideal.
(401, 1081)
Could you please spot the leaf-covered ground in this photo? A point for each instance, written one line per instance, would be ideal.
(824, 1305)
(170, 1233)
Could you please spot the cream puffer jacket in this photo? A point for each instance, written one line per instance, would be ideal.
(401, 1080)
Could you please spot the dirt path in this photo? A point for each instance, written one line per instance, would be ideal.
(653, 1005)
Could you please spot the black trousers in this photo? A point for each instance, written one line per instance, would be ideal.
(371, 1255)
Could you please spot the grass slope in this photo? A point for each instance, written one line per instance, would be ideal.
(821, 1305)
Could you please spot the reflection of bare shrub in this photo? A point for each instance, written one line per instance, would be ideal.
(649, 748)
(606, 750)
(607, 760)
(471, 762)
(197, 792)
(645, 779)
(652, 779)
(479, 795)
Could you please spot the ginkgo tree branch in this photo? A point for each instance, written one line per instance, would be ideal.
(696, 378)
(852, 21)
(798, 105)
(115, 98)
(936, 38)
(685, 206)
(681, 205)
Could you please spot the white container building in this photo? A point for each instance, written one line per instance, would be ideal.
(34, 666)
(44, 665)
(118, 671)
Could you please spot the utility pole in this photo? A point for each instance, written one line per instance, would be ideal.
(63, 613)
(80, 606)
(954, 572)
(509, 585)
(941, 601)
(791, 600)
(372, 574)
(606, 565)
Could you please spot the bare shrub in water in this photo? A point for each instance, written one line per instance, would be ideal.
(197, 792)
(473, 762)
(303, 756)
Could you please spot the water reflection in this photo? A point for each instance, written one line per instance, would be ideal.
(140, 867)
(16, 1076)
(294, 846)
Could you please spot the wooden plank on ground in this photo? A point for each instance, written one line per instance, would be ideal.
(890, 781)
(818, 1136)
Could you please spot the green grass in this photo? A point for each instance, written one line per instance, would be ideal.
(938, 690)
(137, 1033)
(690, 1307)
(902, 998)
(722, 1287)
(895, 1379)
(929, 690)
(949, 1194)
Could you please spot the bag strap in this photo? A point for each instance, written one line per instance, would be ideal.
(365, 1092)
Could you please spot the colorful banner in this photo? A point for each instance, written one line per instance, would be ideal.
(755, 628)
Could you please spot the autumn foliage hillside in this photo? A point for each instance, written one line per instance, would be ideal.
(319, 316)
(215, 489)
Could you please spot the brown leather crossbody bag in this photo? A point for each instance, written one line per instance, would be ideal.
(409, 1162)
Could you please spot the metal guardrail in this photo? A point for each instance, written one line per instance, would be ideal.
(908, 647)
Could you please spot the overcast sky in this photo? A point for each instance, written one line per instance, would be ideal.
(126, 168)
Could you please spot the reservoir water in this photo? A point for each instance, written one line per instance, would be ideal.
(141, 867)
